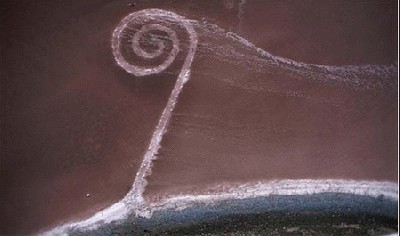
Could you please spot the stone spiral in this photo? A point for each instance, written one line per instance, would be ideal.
(140, 40)
(149, 37)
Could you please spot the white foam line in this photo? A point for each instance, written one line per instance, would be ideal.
(281, 187)
(283, 60)
(349, 74)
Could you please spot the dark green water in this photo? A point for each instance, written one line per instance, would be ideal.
(319, 214)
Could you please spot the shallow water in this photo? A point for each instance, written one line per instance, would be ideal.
(246, 115)
(75, 126)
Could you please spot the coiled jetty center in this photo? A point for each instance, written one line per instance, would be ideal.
(146, 42)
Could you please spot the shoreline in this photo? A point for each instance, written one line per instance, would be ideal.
(285, 211)
(128, 209)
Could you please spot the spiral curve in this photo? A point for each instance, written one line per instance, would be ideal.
(129, 37)
(130, 46)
